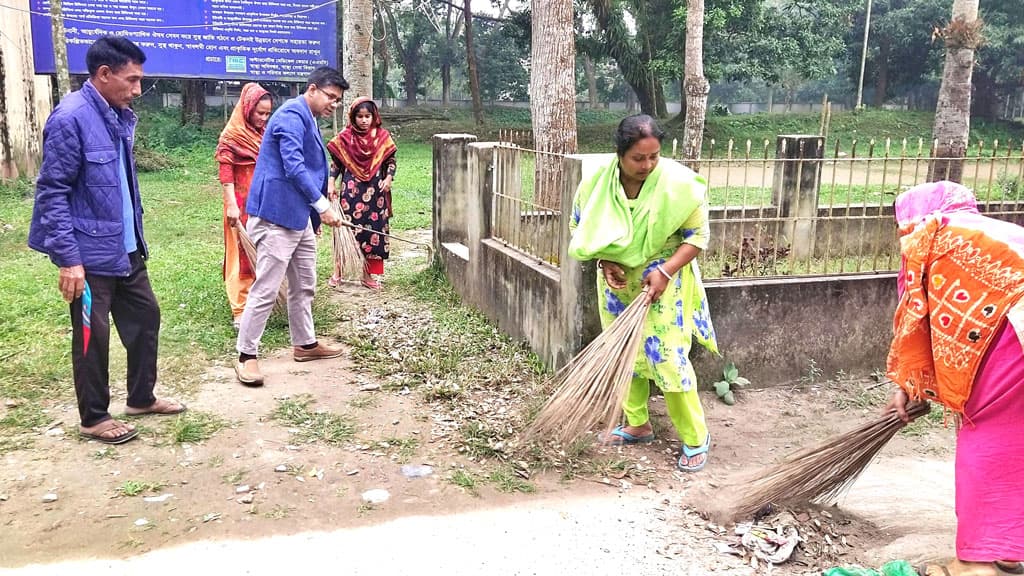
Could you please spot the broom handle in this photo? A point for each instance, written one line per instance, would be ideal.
(399, 238)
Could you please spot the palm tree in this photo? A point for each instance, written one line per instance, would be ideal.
(953, 112)
(357, 50)
(695, 84)
(552, 93)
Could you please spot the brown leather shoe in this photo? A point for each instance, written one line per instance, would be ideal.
(249, 373)
(321, 352)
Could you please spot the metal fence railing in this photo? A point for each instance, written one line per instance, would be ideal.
(524, 210)
(793, 207)
(817, 210)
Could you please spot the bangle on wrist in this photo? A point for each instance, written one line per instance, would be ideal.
(662, 270)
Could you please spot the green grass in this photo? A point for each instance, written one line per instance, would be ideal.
(465, 480)
(404, 449)
(313, 426)
(506, 480)
(195, 426)
(235, 477)
(135, 487)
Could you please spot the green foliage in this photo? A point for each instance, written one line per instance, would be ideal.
(730, 382)
(310, 425)
(194, 426)
(135, 487)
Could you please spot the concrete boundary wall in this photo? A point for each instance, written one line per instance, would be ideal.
(773, 329)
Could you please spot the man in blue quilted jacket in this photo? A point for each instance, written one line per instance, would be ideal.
(287, 202)
(88, 219)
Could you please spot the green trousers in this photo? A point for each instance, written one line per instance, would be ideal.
(684, 409)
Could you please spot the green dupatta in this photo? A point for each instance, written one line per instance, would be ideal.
(608, 228)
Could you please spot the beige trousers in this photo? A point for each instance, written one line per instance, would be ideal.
(280, 252)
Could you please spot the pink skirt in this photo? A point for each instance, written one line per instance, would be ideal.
(990, 458)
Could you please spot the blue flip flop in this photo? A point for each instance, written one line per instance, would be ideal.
(691, 452)
(627, 438)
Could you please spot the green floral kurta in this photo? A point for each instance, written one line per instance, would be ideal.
(678, 316)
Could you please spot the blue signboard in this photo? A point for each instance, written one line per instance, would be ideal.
(234, 39)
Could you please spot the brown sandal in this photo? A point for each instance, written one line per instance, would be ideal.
(108, 426)
(162, 407)
(1001, 568)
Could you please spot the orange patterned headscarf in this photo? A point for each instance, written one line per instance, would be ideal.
(362, 153)
(962, 273)
(239, 142)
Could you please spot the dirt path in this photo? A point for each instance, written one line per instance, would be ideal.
(281, 486)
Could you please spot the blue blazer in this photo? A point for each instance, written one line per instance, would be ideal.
(291, 169)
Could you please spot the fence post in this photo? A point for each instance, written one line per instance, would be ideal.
(480, 197)
(450, 196)
(795, 189)
(578, 280)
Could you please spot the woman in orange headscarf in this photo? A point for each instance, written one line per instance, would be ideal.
(236, 153)
(364, 155)
(959, 329)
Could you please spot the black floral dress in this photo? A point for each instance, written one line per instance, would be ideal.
(368, 207)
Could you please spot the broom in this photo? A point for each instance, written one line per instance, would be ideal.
(345, 249)
(589, 390)
(822, 473)
(250, 252)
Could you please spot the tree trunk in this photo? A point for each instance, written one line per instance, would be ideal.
(193, 102)
(409, 57)
(358, 50)
(953, 112)
(411, 82)
(446, 83)
(451, 31)
(385, 69)
(588, 69)
(986, 99)
(552, 94)
(682, 95)
(631, 100)
(635, 70)
(697, 86)
(60, 48)
(882, 74)
(660, 107)
(474, 80)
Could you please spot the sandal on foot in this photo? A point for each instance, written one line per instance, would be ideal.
(690, 452)
(108, 426)
(956, 568)
(162, 407)
(619, 437)
(334, 281)
(1008, 567)
(371, 284)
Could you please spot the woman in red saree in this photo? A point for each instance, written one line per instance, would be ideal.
(364, 155)
(236, 153)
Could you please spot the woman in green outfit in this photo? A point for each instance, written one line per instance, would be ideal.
(645, 219)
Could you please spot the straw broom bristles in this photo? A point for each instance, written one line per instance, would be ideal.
(589, 391)
(822, 473)
(250, 251)
(345, 249)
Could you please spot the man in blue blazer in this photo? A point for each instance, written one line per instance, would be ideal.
(287, 200)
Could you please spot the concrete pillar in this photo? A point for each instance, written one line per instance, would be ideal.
(480, 199)
(795, 189)
(578, 280)
(450, 196)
